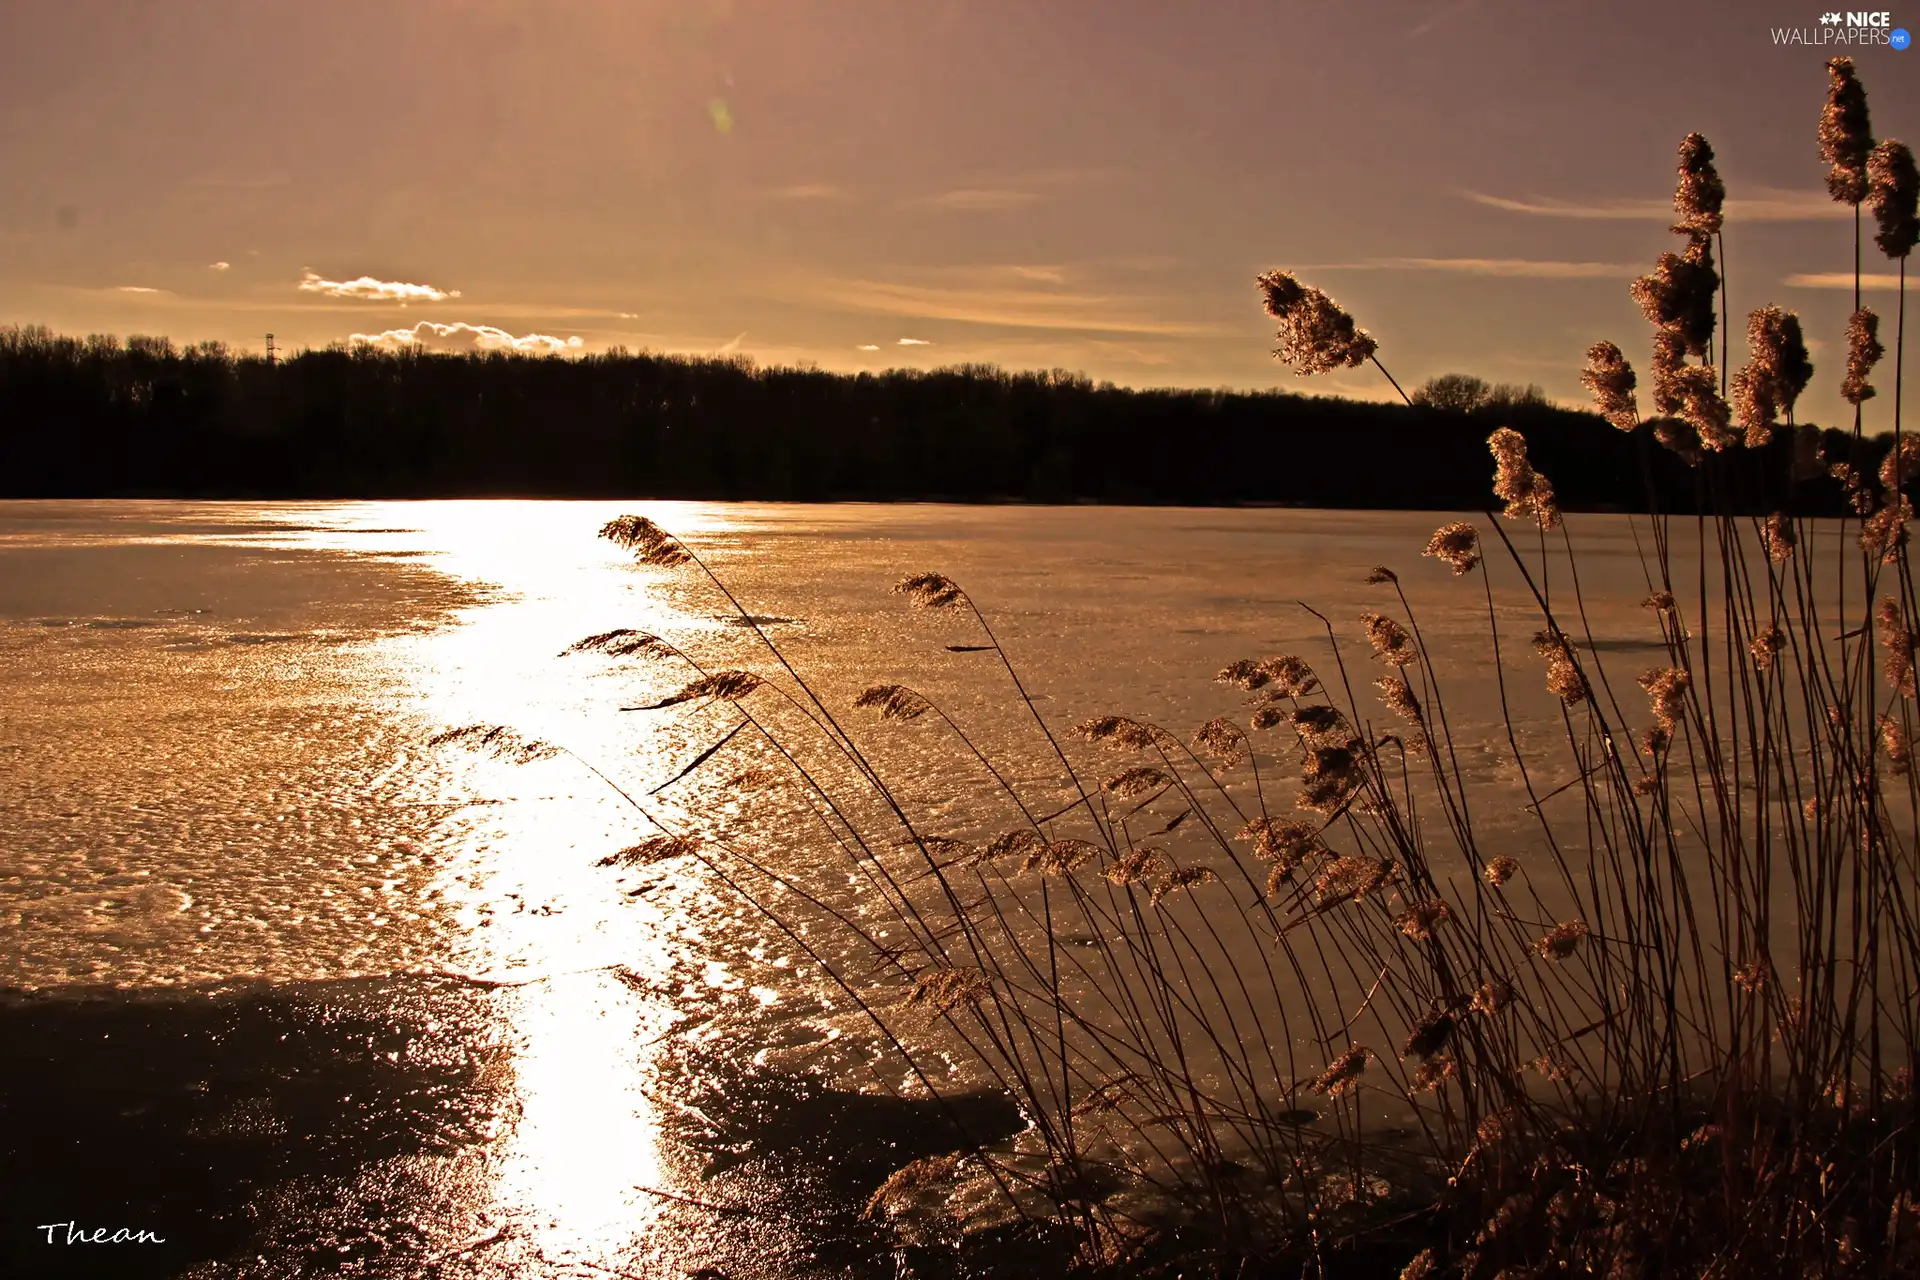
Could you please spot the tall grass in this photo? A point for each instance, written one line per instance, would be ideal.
(1274, 999)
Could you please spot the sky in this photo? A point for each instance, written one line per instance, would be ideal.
(865, 184)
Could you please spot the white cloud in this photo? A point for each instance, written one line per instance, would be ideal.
(1766, 204)
(809, 191)
(868, 346)
(219, 266)
(1844, 279)
(367, 289)
(978, 200)
(461, 339)
(136, 288)
(1519, 268)
(1000, 296)
(914, 342)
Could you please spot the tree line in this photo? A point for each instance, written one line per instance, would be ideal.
(97, 417)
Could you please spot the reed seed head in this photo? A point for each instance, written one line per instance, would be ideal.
(1139, 864)
(1777, 532)
(1612, 381)
(1660, 602)
(1431, 1074)
(1342, 1075)
(1430, 1036)
(1678, 295)
(1290, 676)
(1561, 941)
(1321, 725)
(1667, 689)
(893, 702)
(497, 740)
(1894, 742)
(1846, 136)
(651, 850)
(1131, 784)
(1564, 679)
(1752, 977)
(1331, 776)
(1420, 920)
(1702, 408)
(1010, 843)
(1777, 373)
(932, 591)
(1493, 995)
(1277, 875)
(943, 989)
(1859, 494)
(726, 686)
(1184, 878)
(1289, 843)
(1315, 335)
(1863, 352)
(1423, 1267)
(1457, 545)
(1060, 857)
(1556, 1069)
(1766, 646)
(1391, 642)
(1669, 357)
(1397, 694)
(1124, 733)
(622, 642)
(1500, 870)
(1223, 740)
(1897, 641)
(649, 543)
(1700, 193)
(1527, 493)
(1894, 191)
(1379, 574)
(1901, 463)
(1350, 877)
(1885, 531)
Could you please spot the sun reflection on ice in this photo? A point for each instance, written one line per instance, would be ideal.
(519, 891)
(587, 1136)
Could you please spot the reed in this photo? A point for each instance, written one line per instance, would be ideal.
(1674, 1034)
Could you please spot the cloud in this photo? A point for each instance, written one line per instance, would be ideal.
(136, 288)
(1000, 300)
(367, 289)
(809, 191)
(733, 344)
(913, 342)
(1769, 204)
(1512, 268)
(219, 266)
(977, 200)
(1843, 280)
(868, 346)
(461, 339)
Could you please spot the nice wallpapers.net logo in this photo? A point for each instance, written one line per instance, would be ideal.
(1850, 30)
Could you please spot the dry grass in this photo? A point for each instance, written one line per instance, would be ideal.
(1678, 1039)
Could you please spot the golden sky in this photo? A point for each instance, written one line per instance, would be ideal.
(1089, 184)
